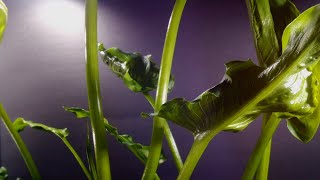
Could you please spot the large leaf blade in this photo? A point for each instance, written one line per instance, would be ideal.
(139, 73)
(231, 102)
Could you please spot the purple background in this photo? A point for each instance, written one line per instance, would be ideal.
(42, 70)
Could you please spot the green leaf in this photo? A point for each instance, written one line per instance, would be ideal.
(3, 173)
(139, 73)
(139, 150)
(288, 87)
(19, 124)
(3, 18)
(268, 20)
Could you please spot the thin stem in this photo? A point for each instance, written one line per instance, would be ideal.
(75, 154)
(263, 169)
(94, 97)
(170, 139)
(264, 140)
(149, 99)
(20, 144)
(200, 143)
(173, 147)
(162, 90)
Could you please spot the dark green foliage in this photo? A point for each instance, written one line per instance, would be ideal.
(3, 173)
(288, 87)
(139, 73)
(139, 150)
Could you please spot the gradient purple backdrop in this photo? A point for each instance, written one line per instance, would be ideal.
(43, 69)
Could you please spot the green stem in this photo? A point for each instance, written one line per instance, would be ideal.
(173, 147)
(20, 144)
(170, 139)
(264, 140)
(94, 97)
(263, 169)
(200, 143)
(162, 90)
(75, 154)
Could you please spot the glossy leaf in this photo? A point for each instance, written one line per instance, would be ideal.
(139, 73)
(3, 173)
(139, 150)
(19, 124)
(268, 18)
(287, 87)
(3, 18)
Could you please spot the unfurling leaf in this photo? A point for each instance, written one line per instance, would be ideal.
(3, 18)
(268, 19)
(19, 125)
(139, 73)
(289, 87)
(3, 173)
(139, 150)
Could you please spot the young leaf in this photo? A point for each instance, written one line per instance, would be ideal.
(268, 21)
(139, 150)
(3, 18)
(3, 173)
(139, 73)
(19, 124)
(246, 90)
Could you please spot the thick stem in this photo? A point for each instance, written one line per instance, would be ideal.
(20, 144)
(94, 97)
(77, 157)
(264, 140)
(200, 143)
(162, 90)
(263, 169)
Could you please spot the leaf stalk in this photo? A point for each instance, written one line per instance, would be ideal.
(162, 90)
(93, 88)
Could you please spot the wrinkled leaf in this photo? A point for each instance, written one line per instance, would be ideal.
(3, 18)
(139, 73)
(3, 173)
(268, 20)
(287, 87)
(19, 125)
(139, 150)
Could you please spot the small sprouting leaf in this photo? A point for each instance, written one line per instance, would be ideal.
(3, 173)
(139, 73)
(289, 87)
(139, 150)
(268, 19)
(79, 112)
(19, 124)
(3, 18)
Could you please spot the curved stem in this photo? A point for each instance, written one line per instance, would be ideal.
(162, 90)
(260, 147)
(20, 144)
(75, 154)
(263, 169)
(200, 143)
(94, 97)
